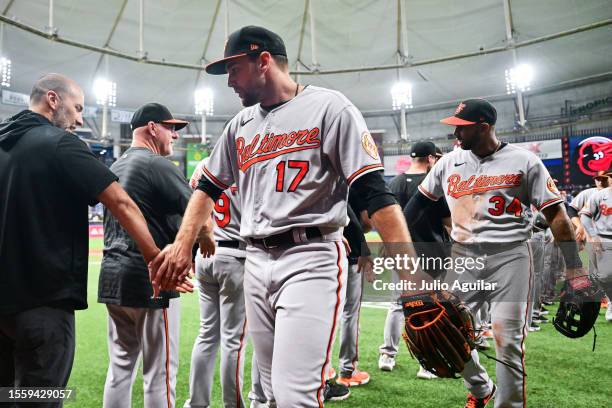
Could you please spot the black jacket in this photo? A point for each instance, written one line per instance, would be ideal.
(47, 179)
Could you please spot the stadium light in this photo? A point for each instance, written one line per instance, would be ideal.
(106, 92)
(5, 72)
(401, 93)
(519, 78)
(204, 101)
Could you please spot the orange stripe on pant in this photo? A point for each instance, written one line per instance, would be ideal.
(331, 335)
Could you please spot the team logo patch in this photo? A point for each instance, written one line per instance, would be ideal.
(368, 145)
(550, 184)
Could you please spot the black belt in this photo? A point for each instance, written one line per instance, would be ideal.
(228, 244)
(285, 238)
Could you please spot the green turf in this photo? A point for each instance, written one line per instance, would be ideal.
(97, 244)
(561, 372)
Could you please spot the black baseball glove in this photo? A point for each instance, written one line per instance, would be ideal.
(578, 308)
(439, 332)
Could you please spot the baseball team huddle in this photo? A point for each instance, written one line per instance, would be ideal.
(272, 225)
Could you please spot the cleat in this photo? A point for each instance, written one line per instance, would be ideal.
(358, 378)
(473, 402)
(424, 374)
(386, 362)
(335, 392)
(534, 327)
(487, 334)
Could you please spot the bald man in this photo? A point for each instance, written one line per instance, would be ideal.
(48, 177)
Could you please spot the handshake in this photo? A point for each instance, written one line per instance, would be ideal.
(172, 266)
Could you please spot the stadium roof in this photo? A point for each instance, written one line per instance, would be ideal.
(564, 40)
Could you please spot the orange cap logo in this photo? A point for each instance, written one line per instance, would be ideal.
(254, 47)
(460, 108)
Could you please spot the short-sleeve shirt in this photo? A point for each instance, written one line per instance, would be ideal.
(582, 198)
(161, 192)
(487, 196)
(403, 186)
(599, 207)
(293, 164)
(48, 177)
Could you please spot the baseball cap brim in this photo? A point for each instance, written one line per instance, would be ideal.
(455, 121)
(177, 123)
(218, 67)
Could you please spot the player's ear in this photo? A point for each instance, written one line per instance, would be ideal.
(264, 61)
(152, 128)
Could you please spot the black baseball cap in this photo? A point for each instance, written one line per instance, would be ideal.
(423, 149)
(249, 40)
(472, 111)
(155, 112)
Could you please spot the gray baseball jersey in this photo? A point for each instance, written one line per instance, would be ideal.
(226, 213)
(488, 196)
(293, 165)
(582, 198)
(599, 207)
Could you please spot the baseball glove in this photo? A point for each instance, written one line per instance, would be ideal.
(439, 332)
(578, 308)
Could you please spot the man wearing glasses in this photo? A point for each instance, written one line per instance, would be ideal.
(139, 323)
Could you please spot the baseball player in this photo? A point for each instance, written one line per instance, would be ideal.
(292, 152)
(222, 315)
(137, 324)
(424, 156)
(597, 221)
(488, 185)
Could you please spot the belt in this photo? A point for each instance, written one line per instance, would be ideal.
(285, 238)
(228, 244)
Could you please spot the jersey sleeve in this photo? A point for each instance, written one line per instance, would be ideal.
(349, 145)
(87, 175)
(541, 187)
(432, 187)
(197, 175)
(218, 170)
(170, 185)
(591, 206)
(579, 201)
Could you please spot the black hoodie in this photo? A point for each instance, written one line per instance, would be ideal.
(48, 176)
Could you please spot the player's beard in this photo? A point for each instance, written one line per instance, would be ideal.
(473, 141)
(249, 98)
